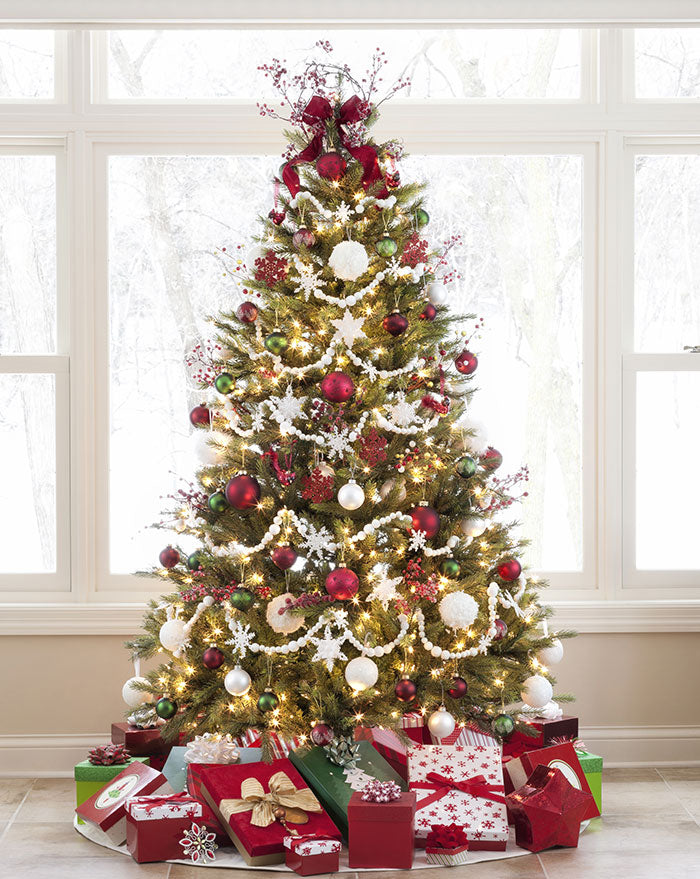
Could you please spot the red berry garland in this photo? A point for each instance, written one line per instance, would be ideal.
(316, 487)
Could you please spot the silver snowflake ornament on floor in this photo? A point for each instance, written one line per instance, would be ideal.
(198, 843)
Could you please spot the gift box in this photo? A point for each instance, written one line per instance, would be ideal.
(446, 845)
(466, 735)
(155, 825)
(381, 834)
(592, 766)
(106, 809)
(463, 785)
(334, 785)
(414, 725)
(546, 730)
(193, 786)
(175, 769)
(309, 855)
(90, 779)
(280, 747)
(245, 798)
(140, 742)
(563, 757)
(447, 857)
(387, 743)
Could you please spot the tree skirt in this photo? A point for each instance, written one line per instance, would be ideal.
(229, 857)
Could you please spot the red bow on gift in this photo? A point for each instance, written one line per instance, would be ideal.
(151, 803)
(477, 786)
(446, 836)
(317, 111)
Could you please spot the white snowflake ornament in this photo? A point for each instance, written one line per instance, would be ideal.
(328, 649)
(318, 542)
(384, 590)
(241, 637)
(417, 541)
(402, 412)
(349, 328)
(288, 407)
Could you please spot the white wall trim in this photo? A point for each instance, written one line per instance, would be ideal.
(54, 756)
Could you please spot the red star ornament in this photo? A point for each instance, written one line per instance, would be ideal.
(548, 810)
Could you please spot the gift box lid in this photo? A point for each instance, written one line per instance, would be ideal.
(153, 808)
(107, 806)
(402, 809)
(87, 771)
(309, 844)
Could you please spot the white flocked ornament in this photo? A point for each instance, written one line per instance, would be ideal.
(361, 672)
(172, 634)
(256, 252)
(237, 682)
(437, 293)
(284, 623)
(348, 260)
(351, 496)
(476, 441)
(133, 697)
(209, 446)
(536, 692)
(551, 655)
(441, 723)
(473, 527)
(458, 610)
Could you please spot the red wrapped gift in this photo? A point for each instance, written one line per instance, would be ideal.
(380, 835)
(414, 725)
(546, 729)
(309, 855)
(244, 797)
(140, 742)
(563, 757)
(106, 809)
(388, 744)
(155, 825)
(447, 845)
(194, 787)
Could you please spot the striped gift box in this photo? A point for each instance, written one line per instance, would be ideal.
(448, 857)
(466, 735)
(280, 747)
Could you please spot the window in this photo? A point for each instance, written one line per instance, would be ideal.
(567, 158)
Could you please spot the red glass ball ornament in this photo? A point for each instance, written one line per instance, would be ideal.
(212, 658)
(303, 237)
(501, 630)
(458, 688)
(243, 491)
(395, 323)
(342, 584)
(337, 387)
(425, 519)
(200, 416)
(247, 312)
(429, 312)
(491, 459)
(284, 557)
(331, 166)
(466, 363)
(169, 557)
(405, 690)
(510, 570)
(322, 735)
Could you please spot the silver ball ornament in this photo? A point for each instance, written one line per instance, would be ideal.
(437, 293)
(237, 682)
(441, 723)
(473, 527)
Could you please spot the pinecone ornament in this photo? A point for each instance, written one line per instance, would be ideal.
(108, 755)
(344, 751)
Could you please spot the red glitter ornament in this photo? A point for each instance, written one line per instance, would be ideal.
(405, 690)
(247, 312)
(372, 447)
(429, 312)
(284, 557)
(317, 487)
(425, 519)
(213, 658)
(200, 416)
(415, 251)
(395, 323)
(491, 459)
(169, 557)
(331, 166)
(270, 269)
(243, 491)
(510, 570)
(303, 237)
(501, 629)
(466, 363)
(342, 584)
(321, 735)
(458, 688)
(337, 387)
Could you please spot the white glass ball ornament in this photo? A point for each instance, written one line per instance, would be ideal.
(256, 252)
(237, 682)
(351, 496)
(551, 655)
(284, 623)
(473, 527)
(348, 260)
(208, 446)
(172, 634)
(134, 698)
(536, 691)
(441, 723)
(437, 293)
(361, 672)
(386, 488)
(458, 610)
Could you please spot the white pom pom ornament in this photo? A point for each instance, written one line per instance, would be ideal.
(349, 260)
(458, 610)
(208, 446)
(551, 655)
(536, 691)
(172, 634)
(351, 496)
(133, 697)
(284, 623)
(361, 672)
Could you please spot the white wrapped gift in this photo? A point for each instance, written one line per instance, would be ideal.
(154, 808)
(309, 845)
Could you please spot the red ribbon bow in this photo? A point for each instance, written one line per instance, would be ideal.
(151, 803)
(316, 112)
(446, 836)
(477, 786)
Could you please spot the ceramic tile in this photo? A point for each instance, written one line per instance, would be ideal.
(184, 871)
(628, 833)
(575, 864)
(640, 799)
(82, 868)
(685, 784)
(12, 791)
(50, 799)
(680, 773)
(52, 840)
(526, 867)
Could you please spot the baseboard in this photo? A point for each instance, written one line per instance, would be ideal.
(56, 755)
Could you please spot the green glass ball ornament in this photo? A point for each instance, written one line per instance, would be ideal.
(194, 561)
(224, 383)
(268, 701)
(386, 246)
(450, 568)
(422, 217)
(217, 502)
(276, 342)
(242, 599)
(466, 467)
(166, 708)
(502, 725)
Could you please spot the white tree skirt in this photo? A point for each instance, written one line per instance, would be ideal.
(229, 857)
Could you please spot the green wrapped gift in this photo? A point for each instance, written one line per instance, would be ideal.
(334, 784)
(90, 779)
(592, 766)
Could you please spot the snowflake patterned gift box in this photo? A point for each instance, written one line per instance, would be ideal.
(156, 824)
(460, 784)
(309, 855)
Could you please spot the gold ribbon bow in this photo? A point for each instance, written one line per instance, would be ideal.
(263, 805)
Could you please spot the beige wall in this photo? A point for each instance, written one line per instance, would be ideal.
(637, 695)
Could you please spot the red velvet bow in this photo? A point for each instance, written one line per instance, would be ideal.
(317, 111)
(477, 786)
(446, 836)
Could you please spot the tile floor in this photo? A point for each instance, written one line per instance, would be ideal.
(651, 828)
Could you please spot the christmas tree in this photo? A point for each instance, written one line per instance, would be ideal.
(354, 563)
